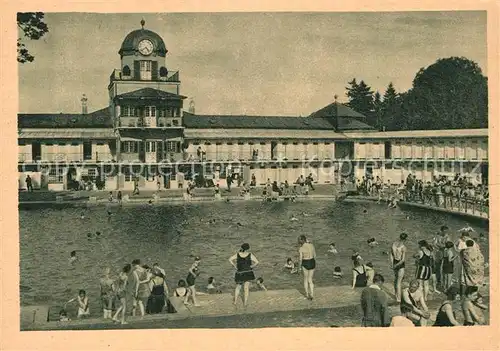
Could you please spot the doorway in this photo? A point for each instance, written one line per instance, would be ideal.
(87, 150)
(36, 151)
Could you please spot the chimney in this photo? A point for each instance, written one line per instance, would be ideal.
(84, 104)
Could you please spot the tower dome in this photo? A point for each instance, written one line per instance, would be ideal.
(130, 45)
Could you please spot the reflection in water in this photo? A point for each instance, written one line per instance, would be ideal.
(172, 234)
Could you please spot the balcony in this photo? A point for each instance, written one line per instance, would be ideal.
(65, 157)
(172, 76)
(150, 122)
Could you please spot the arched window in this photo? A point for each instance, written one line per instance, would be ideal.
(126, 70)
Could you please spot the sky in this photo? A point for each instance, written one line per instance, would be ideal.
(276, 64)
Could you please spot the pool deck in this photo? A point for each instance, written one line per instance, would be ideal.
(221, 305)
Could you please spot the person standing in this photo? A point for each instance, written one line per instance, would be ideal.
(244, 262)
(374, 304)
(107, 294)
(191, 279)
(120, 290)
(439, 243)
(29, 183)
(397, 263)
(307, 260)
(424, 266)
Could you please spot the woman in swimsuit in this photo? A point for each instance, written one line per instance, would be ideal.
(307, 260)
(191, 278)
(83, 304)
(159, 293)
(120, 290)
(244, 262)
(360, 274)
(397, 263)
(446, 316)
(107, 294)
(424, 266)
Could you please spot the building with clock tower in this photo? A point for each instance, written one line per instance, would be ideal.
(144, 136)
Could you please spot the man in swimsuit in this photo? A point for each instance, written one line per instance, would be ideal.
(397, 263)
(307, 260)
(413, 298)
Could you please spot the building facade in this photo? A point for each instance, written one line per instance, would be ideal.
(144, 134)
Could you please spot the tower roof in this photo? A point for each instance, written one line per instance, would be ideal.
(131, 41)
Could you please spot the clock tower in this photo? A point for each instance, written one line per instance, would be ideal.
(146, 106)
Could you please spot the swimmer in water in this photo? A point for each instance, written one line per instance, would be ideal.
(365, 211)
(293, 218)
(82, 216)
(372, 242)
(332, 249)
(98, 234)
(337, 272)
(150, 202)
(290, 265)
(89, 236)
(72, 257)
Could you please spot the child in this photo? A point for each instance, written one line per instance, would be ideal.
(83, 304)
(211, 289)
(337, 272)
(110, 198)
(290, 265)
(332, 249)
(260, 283)
(448, 265)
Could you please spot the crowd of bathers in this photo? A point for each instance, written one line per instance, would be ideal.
(455, 268)
(441, 191)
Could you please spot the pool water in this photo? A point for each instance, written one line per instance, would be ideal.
(172, 234)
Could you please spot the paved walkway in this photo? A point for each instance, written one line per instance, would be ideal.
(221, 305)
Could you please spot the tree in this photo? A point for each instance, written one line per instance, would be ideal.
(378, 110)
(391, 109)
(33, 27)
(360, 98)
(452, 93)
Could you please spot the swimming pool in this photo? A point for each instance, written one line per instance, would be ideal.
(169, 234)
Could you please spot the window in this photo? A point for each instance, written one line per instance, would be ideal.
(92, 172)
(62, 144)
(145, 70)
(150, 146)
(74, 143)
(172, 146)
(150, 111)
(56, 175)
(129, 147)
(177, 112)
(175, 122)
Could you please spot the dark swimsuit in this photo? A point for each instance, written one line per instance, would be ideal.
(191, 278)
(244, 271)
(442, 319)
(309, 264)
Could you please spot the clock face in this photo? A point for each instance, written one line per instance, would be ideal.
(145, 47)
